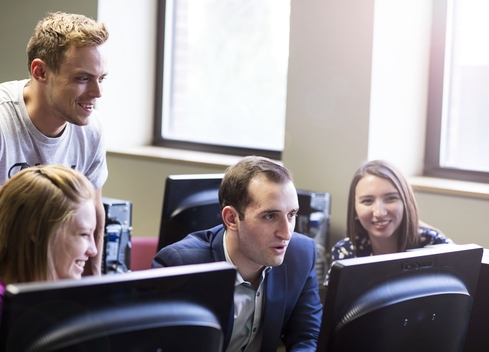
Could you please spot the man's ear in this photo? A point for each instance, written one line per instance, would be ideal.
(38, 70)
(230, 217)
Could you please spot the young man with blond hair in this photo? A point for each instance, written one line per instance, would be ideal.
(50, 117)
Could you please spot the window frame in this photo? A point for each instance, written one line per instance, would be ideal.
(432, 166)
(158, 139)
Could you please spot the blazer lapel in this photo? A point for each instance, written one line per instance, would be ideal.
(273, 315)
(217, 255)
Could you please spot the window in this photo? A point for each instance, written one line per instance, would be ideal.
(222, 75)
(457, 143)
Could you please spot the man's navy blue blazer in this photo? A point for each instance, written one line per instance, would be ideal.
(293, 308)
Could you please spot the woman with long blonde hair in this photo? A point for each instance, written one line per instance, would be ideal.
(47, 223)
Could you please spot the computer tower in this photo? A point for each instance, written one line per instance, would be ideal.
(116, 256)
(313, 220)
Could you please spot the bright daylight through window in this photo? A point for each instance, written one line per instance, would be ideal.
(224, 73)
(464, 142)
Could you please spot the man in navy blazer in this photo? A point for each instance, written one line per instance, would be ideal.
(276, 293)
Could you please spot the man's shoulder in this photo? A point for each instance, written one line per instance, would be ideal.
(300, 245)
(9, 90)
(197, 247)
(301, 240)
(196, 240)
(9, 85)
(203, 236)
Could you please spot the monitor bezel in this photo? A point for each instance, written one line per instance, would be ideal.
(208, 285)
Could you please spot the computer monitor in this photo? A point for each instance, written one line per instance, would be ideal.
(185, 308)
(477, 339)
(190, 203)
(418, 300)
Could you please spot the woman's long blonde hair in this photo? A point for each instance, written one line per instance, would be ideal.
(34, 205)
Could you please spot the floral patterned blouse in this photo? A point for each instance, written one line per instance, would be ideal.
(344, 248)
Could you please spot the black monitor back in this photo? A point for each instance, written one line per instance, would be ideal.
(184, 309)
(190, 203)
(477, 339)
(418, 300)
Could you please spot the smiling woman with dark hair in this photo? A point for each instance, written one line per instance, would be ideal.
(382, 215)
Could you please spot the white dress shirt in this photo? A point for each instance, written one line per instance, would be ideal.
(248, 309)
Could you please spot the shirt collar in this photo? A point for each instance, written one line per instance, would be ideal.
(239, 280)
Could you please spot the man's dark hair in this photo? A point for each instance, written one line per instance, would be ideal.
(234, 186)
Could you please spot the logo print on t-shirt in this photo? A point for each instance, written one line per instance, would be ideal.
(21, 166)
(16, 168)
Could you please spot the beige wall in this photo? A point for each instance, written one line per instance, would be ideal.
(333, 86)
(463, 219)
(17, 22)
(328, 97)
